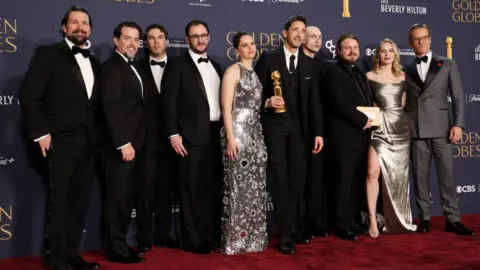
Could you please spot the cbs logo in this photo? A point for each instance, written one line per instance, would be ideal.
(466, 189)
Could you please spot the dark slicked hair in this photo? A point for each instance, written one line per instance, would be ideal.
(67, 15)
(195, 23)
(418, 26)
(118, 30)
(156, 26)
(237, 37)
(342, 38)
(291, 20)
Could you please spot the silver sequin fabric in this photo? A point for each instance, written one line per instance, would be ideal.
(391, 141)
(244, 220)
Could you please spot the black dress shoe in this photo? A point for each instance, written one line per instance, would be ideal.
(137, 251)
(424, 226)
(286, 246)
(458, 228)
(313, 232)
(143, 248)
(129, 259)
(202, 248)
(346, 235)
(299, 238)
(79, 263)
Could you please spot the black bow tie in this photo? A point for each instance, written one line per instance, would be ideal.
(161, 64)
(202, 59)
(84, 52)
(131, 62)
(424, 59)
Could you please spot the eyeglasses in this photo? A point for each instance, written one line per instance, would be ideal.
(197, 37)
(422, 39)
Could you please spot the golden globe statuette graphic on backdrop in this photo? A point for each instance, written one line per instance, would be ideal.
(8, 33)
(449, 41)
(277, 89)
(6, 218)
(346, 9)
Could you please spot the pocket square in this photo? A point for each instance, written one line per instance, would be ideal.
(308, 78)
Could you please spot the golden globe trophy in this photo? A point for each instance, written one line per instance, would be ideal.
(346, 9)
(449, 41)
(277, 89)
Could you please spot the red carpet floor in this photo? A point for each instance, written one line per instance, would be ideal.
(436, 250)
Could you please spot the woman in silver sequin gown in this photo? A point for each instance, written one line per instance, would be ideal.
(244, 222)
(389, 152)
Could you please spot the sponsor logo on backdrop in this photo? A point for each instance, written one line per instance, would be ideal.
(8, 100)
(201, 3)
(287, 1)
(466, 11)
(256, 1)
(330, 46)
(5, 161)
(136, 1)
(394, 6)
(466, 189)
(472, 98)
(477, 53)
(468, 146)
(6, 218)
(8, 35)
(401, 51)
(177, 43)
(263, 41)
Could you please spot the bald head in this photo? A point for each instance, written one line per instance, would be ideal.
(313, 40)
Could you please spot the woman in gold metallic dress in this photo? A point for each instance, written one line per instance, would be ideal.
(389, 152)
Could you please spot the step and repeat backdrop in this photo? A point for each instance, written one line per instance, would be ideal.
(28, 23)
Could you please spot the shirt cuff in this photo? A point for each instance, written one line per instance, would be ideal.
(123, 146)
(266, 103)
(39, 138)
(174, 135)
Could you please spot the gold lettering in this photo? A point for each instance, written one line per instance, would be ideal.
(456, 151)
(4, 213)
(230, 37)
(4, 229)
(12, 45)
(264, 39)
(231, 54)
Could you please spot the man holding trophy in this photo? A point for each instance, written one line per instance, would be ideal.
(292, 126)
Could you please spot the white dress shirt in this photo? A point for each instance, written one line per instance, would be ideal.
(288, 54)
(423, 67)
(157, 71)
(86, 70)
(211, 81)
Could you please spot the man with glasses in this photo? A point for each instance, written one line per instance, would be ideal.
(190, 99)
(430, 79)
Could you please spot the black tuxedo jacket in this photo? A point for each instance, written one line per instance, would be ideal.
(156, 137)
(344, 122)
(122, 103)
(309, 73)
(54, 99)
(184, 100)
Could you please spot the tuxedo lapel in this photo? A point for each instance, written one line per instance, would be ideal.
(302, 69)
(198, 76)
(283, 67)
(413, 73)
(126, 69)
(350, 71)
(432, 72)
(95, 69)
(75, 68)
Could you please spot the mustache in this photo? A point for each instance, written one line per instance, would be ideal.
(77, 31)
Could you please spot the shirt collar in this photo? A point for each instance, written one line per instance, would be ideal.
(163, 59)
(196, 56)
(429, 54)
(70, 44)
(288, 53)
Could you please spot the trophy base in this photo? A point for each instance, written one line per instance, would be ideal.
(346, 14)
(282, 110)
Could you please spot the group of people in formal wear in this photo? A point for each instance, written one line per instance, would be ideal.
(217, 139)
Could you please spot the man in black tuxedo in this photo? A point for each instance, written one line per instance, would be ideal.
(190, 98)
(155, 195)
(316, 215)
(348, 133)
(59, 98)
(123, 97)
(290, 136)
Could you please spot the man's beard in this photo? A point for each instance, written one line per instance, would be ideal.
(195, 50)
(348, 61)
(77, 41)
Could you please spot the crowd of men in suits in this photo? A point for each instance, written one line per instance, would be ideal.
(79, 110)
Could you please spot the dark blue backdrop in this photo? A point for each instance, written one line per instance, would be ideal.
(29, 23)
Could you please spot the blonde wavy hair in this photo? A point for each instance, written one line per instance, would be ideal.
(396, 67)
